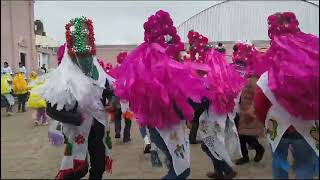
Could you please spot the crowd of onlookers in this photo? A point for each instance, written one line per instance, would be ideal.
(16, 86)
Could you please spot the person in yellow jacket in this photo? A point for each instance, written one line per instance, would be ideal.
(35, 101)
(7, 100)
(20, 89)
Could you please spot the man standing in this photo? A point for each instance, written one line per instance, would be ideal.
(6, 69)
(44, 68)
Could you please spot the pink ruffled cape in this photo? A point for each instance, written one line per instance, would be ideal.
(223, 81)
(294, 73)
(152, 82)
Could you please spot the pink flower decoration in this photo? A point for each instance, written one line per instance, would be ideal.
(157, 27)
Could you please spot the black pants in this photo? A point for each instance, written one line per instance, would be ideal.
(117, 125)
(195, 126)
(96, 150)
(252, 141)
(22, 98)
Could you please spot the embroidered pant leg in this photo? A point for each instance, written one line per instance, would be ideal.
(220, 166)
(96, 151)
(280, 164)
(157, 139)
(303, 159)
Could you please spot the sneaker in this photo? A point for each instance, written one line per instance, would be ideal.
(44, 123)
(242, 160)
(147, 149)
(230, 175)
(259, 155)
(117, 136)
(215, 175)
(9, 113)
(36, 123)
(125, 140)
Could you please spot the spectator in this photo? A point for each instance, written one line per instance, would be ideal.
(6, 69)
(22, 69)
(44, 68)
(220, 48)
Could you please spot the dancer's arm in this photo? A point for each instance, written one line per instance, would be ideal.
(261, 105)
(107, 93)
(71, 117)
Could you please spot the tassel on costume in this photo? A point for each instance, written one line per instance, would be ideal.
(108, 165)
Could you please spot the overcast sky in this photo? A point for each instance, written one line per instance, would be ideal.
(115, 22)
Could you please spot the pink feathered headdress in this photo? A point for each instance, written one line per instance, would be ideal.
(60, 53)
(282, 23)
(198, 44)
(160, 29)
(121, 57)
(246, 56)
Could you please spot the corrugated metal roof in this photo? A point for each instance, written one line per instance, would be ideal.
(236, 20)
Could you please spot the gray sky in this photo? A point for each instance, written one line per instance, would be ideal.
(114, 22)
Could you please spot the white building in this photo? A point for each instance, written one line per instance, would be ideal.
(247, 20)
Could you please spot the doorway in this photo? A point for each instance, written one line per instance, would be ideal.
(23, 58)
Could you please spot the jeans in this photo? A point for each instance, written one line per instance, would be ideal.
(143, 131)
(157, 139)
(220, 166)
(316, 165)
(303, 159)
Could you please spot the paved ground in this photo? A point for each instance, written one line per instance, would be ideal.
(26, 153)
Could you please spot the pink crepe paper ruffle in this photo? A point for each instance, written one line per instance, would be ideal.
(152, 82)
(60, 52)
(158, 28)
(294, 73)
(223, 81)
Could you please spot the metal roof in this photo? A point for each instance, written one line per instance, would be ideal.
(236, 20)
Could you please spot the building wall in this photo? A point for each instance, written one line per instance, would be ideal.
(110, 52)
(17, 33)
(52, 57)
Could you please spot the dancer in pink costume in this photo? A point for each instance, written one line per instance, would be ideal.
(158, 87)
(217, 121)
(286, 99)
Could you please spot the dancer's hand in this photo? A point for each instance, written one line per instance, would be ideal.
(315, 135)
(270, 129)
